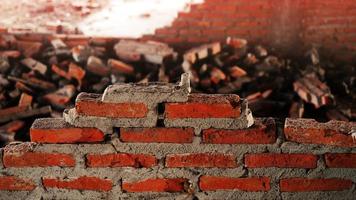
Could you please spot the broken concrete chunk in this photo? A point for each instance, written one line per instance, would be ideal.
(150, 92)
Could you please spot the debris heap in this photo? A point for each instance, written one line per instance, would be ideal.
(41, 75)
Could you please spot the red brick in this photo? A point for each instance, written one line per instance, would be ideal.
(262, 132)
(280, 160)
(253, 184)
(58, 131)
(205, 106)
(121, 160)
(22, 156)
(158, 135)
(90, 104)
(341, 160)
(307, 185)
(311, 132)
(155, 185)
(208, 160)
(81, 183)
(13, 183)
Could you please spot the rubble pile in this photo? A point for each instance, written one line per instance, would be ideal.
(43, 78)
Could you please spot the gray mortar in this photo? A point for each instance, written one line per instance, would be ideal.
(107, 124)
(244, 121)
(51, 123)
(150, 93)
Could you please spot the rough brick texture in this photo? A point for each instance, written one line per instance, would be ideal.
(280, 160)
(207, 183)
(155, 185)
(12, 183)
(81, 183)
(306, 185)
(199, 106)
(14, 157)
(58, 131)
(91, 105)
(157, 135)
(310, 131)
(340, 160)
(120, 160)
(262, 132)
(201, 160)
(288, 25)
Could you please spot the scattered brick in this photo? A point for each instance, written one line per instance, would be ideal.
(205, 106)
(76, 72)
(307, 185)
(121, 160)
(157, 135)
(81, 183)
(13, 183)
(262, 132)
(340, 160)
(253, 184)
(208, 160)
(56, 130)
(91, 105)
(29, 49)
(121, 67)
(61, 97)
(280, 160)
(25, 100)
(311, 132)
(155, 185)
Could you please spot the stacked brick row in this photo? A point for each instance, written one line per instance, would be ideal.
(159, 141)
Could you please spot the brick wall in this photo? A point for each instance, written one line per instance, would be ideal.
(149, 141)
(284, 24)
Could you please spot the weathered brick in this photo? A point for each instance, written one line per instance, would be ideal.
(310, 131)
(91, 105)
(13, 183)
(307, 185)
(252, 184)
(157, 135)
(280, 160)
(81, 183)
(262, 132)
(155, 185)
(205, 106)
(208, 160)
(340, 160)
(23, 156)
(56, 130)
(121, 160)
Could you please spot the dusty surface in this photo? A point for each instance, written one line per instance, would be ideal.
(120, 18)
